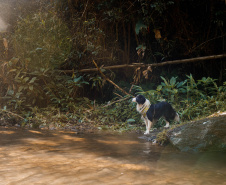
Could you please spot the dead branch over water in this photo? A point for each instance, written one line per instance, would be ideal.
(134, 65)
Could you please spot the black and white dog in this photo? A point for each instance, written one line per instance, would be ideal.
(152, 112)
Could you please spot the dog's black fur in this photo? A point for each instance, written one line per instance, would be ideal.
(161, 109)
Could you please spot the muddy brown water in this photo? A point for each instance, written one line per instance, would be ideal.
(42, 157)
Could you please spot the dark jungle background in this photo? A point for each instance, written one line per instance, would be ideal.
(45, 44)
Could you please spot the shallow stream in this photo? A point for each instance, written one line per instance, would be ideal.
(42, 157)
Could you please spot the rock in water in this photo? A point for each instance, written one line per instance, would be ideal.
(203, 135)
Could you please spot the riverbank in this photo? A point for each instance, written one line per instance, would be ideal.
(60, 121)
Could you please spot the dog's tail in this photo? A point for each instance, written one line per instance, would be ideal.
(177, 118)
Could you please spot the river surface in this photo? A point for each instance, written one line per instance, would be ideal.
(37, 157)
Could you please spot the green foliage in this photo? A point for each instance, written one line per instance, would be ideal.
(191, 98)
(42, 40)
(139, 26)
(105, 31)
(87, 42)
(88, 39)
(162, 137)
(23, 89)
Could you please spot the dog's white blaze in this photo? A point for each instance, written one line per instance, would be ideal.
(140, 107)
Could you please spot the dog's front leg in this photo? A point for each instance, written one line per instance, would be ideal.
(148, 126)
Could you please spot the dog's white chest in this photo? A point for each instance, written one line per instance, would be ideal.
(143, 108)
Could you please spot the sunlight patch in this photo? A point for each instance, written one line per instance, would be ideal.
(7, 132)
(3, 25)
(72, 138)
(41, 142)
(135, 167)
(35, 132)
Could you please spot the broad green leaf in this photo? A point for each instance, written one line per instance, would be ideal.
(85, 82)
(173, 81)
(130, 120)
(10, 92)
(141, 47)
(164, 80)
(33, 80)
(102, 70)
(180, 84)
(26, 79)
(159, 88)
(31, 87)
(77, 79)
(14, 60)
(20, 88)
(139, 26)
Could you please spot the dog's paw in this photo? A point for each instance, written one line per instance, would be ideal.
(167, 125)
(146, 132)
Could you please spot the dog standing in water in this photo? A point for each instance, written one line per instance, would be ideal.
(152, 112)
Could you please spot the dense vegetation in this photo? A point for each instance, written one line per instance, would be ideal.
(57, 36)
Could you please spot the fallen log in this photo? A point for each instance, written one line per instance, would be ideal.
(134, 65)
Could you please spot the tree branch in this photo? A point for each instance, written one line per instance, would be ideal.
(85, 8)
(14, 114)
(134, 65)
(106, 78)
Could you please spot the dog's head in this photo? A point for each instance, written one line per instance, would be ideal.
(140, 99)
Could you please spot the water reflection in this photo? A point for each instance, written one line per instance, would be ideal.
(38, 157)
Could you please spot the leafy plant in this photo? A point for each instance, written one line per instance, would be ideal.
(191, 98)
(42, 40)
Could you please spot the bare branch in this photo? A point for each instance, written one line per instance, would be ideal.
(135, 65)
(106, 78)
